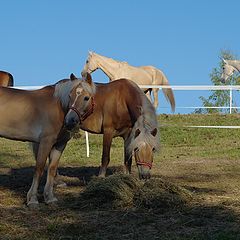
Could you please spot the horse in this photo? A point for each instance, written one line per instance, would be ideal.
(6, 79)
(116, 109)
(38, 117)
(143, 75)
(229, 67)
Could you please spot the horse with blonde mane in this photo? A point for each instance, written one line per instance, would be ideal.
(38, 117)
(119, 108)
(144, 75)
(6, 79)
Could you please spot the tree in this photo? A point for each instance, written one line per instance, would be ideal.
(219, 98)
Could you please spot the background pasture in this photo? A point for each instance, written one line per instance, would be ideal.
(205, 161)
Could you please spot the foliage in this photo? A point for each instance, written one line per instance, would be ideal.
(219, 98)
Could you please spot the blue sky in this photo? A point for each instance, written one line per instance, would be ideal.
(44, 41)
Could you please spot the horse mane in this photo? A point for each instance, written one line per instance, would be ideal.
(90, 88)
(108, 58)
(63, 89)
(146, 123)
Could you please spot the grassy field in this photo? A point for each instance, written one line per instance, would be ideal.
(204, 161)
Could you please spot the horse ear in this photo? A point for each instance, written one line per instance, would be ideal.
(154, 132)
(88, 78)
(137, 132)
(224, 60)
(73, 77)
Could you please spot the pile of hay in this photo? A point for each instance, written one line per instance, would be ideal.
(125, 191)
(161, 195)
(115, 191)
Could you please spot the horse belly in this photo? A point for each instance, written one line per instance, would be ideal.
(18, 127)
(21, 134)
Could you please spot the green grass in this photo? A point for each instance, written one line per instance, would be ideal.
(204, 161)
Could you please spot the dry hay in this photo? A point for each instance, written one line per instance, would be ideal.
(115, 191)
(161, 195)
(125, 191)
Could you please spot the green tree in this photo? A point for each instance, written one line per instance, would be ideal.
(219, 98)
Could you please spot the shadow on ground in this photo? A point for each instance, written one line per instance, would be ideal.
(19, 179)
(196, 220)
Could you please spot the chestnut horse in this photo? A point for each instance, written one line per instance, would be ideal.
(38, 116)
(119, 108)
(6, 79)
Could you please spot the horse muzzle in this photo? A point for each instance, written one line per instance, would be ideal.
(71, 120)
(144, 172)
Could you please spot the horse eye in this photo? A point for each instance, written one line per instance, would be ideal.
(86, 98)
(87, 61)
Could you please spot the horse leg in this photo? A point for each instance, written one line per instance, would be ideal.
(155, 96)
(52, 170)
(54, 158)
(107, 141)
(127, 159)
(57, 181)
(43, 152)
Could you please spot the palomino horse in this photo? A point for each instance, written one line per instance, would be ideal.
(119, 108)
(38, 117)
(6, 79)
(144, 75)
(229, 67)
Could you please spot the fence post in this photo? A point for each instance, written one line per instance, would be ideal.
(230, 99)
(87, 143)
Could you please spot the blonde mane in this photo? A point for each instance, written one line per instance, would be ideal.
(63, 89)
(146, 123)
(108, 59)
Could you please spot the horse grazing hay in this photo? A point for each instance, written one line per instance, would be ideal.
(126, 191)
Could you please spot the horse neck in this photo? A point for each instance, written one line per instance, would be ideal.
(147, 118)
(235, 64)
(108, 66)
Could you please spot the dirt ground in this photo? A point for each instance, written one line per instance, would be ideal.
(214, 212)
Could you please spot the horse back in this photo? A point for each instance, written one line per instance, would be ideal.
(6, 79)
(121, 99)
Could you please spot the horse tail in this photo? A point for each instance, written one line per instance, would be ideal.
(161, 79)
(11, 81)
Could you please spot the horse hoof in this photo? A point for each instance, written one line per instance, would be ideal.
(51, 201)
(61, 185)
(33, 204)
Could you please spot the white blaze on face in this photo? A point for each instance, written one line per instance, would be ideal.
(79, 90)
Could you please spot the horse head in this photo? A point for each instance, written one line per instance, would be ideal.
(228, 71)
(143, 153)
(81, 101)
(90, 65)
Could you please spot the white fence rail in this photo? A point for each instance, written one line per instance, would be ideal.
(229, 88)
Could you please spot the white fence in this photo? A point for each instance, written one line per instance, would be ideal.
(189, 88)
(203, 87)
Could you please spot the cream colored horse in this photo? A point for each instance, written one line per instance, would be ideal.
(229, 67)
(144, 75)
